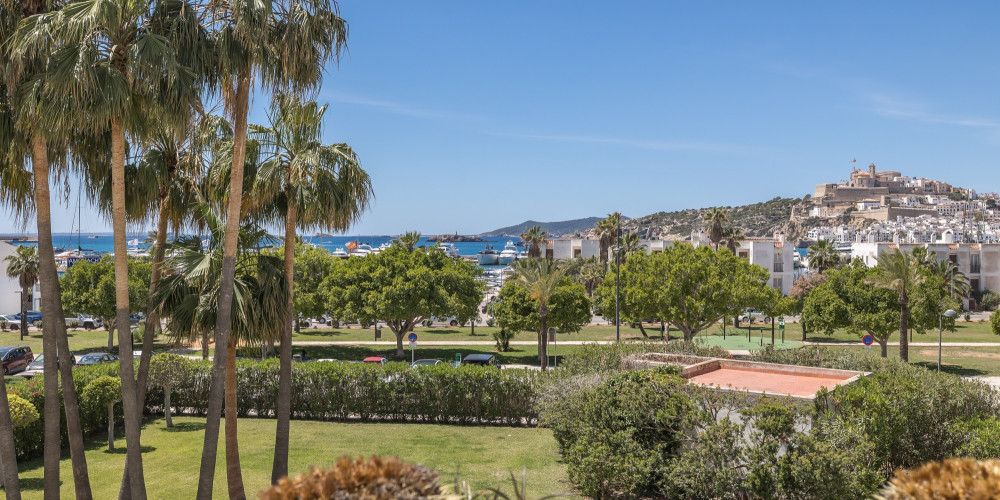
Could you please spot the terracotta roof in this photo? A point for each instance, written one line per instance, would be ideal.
(953, 247)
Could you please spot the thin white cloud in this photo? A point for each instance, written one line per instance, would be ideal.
(657, 145)
(891, 106)
(397, 108)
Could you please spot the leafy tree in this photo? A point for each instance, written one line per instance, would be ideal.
(900, 272)
(637, 301)
(847, 300)
(800, 291)
(823, 255)
(23, 265)
(164, 371)
(541, 298)
(88, 288)
(399, 287)
(534, 238)
(105, 391)
(995, 322)
(928, 301)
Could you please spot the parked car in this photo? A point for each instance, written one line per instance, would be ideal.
(96, 358)
(481, 360)
(32, 316)
(375, 359)
(426, 362)
(450, 320)
(13, 324)
(15, 358)
(37, 366)
(756, 315)
(84, 321)
(136, 318)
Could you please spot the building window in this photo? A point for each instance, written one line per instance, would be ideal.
(744, 255)
(974, 284)
(777, 283)
(974, 263)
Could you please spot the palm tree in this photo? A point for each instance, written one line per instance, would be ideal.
(823, 255)
(287, 44)
(731, 238)
(31, 128)
(716, 220)
(607, 231)
(407, 240)
(956, 281)
(310, 185)
(590, 275)
(900, 272)
(541, 278)
(630, 244)
(534, 238)
(23, 265)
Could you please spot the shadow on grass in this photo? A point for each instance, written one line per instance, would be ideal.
(121, 449)
(952, 369)
(33, 484)
(519, 355)
(185, 427)
(831, 340)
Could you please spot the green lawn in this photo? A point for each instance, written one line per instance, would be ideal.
(480, 455)
(964, 332)
(80, 341)
(963, 361)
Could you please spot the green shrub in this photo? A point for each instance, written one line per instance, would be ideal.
(995, 322)
(22, 413)
(982, 436)
(595, 358)
(503, 338)
(989, 300)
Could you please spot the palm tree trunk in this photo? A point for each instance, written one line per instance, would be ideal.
(8, 456)
(24, 312)
(152, 324)
(54, 340)
(543, 351)
(284, 407)
(133, 416)
(223, 323)
(904, 313)
(204, 346)
(234, 474)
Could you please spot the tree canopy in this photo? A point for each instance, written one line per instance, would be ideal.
(847, 300)
(398, 287)
(89, 288)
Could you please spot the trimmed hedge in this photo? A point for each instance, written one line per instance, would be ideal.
(320, 391)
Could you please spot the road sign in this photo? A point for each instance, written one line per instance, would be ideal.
(868, 340)
(412, 337)
(781, 322)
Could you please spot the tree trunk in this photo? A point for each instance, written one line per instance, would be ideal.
(24, 313)
(803, 323)
(133, 416)
(543, 311)
(54, 340)
(204, 345)
(234, 474)
(223, 324)
(111, 335)
(279, 468)
(643, 331)
(111, 425)
(8, 458)
(399, 343)
(884, 345)
(166, 406)
(152, 325)
(904, 346)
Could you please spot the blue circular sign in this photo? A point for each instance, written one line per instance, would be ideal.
(868, 339)
(413, 337)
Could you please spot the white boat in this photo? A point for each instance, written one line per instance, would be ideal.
(340, 253)
(488, 256)
(361, 250)
(449, 249)
(508, 254)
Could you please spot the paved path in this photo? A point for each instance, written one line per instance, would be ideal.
(913, 344)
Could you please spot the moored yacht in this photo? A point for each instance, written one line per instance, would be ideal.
(488, 256)
(361, 250)
(508, 254)
(340, 253)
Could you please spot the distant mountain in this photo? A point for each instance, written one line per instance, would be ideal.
(788, 215)
(561, 228)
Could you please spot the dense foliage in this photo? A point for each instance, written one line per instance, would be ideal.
(515, 310)
(89, 288)
(690, 288)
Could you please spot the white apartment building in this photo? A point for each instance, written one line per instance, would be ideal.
(10, 289)
(979, 261)
(773, 254)
(868, 205)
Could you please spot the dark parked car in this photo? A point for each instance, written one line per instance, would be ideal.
(97, 358)
(481, 360)
(15, 359)
(37, 366)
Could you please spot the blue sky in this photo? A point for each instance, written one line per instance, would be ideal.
(475, 115)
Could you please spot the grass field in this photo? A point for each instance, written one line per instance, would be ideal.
(480, 455)
(963, 361)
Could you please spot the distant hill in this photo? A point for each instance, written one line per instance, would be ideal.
(757, 219)
(561, 228)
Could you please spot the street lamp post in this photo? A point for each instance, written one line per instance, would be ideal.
(950, 313)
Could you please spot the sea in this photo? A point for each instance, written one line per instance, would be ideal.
(103, 243)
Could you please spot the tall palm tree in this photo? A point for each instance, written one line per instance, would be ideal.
(823, 255)
(534, 238)
(591, 275)
(607, 231)
(407, 240)
(716, 220)
(31, 128)
(956, 281)
(541, 278)
(900, 272)
(630, 244)
(310, 185)
(286, 43)
(23, 265)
